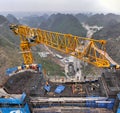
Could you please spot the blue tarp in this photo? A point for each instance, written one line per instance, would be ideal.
(15, 110)
(13, 100)
(118, 110)
(14, 69)
(47, 87)
(39, 65)
(11, 70)
(118, 95)
(59, 89)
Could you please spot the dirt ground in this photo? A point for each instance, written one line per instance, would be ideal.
(23, 82)
(3, 80)
(33, 84)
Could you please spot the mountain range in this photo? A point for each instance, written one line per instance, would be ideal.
(9, 56)
(64, 23)
(98, 19)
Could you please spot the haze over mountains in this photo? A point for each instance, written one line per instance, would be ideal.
(65, 23)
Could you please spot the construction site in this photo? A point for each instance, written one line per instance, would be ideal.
(69, 94)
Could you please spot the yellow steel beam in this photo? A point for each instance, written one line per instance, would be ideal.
(80, 47)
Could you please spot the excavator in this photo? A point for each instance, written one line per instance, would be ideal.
(86, 49)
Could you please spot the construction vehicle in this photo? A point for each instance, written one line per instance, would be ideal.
(86, 49)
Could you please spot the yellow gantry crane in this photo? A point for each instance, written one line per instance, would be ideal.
(85, 49)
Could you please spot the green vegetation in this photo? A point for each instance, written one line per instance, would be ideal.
(64, 24)
(51, 67)
(89, 70)
(32, 21)
(9, 56)
(82, 17)
(110, 31)
(102, 20)
(12, 19)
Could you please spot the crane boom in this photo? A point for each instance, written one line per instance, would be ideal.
(85, 49)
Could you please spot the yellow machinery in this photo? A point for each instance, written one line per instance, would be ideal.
(85, 49)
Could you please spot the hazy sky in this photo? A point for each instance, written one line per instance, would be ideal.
(61, 5)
